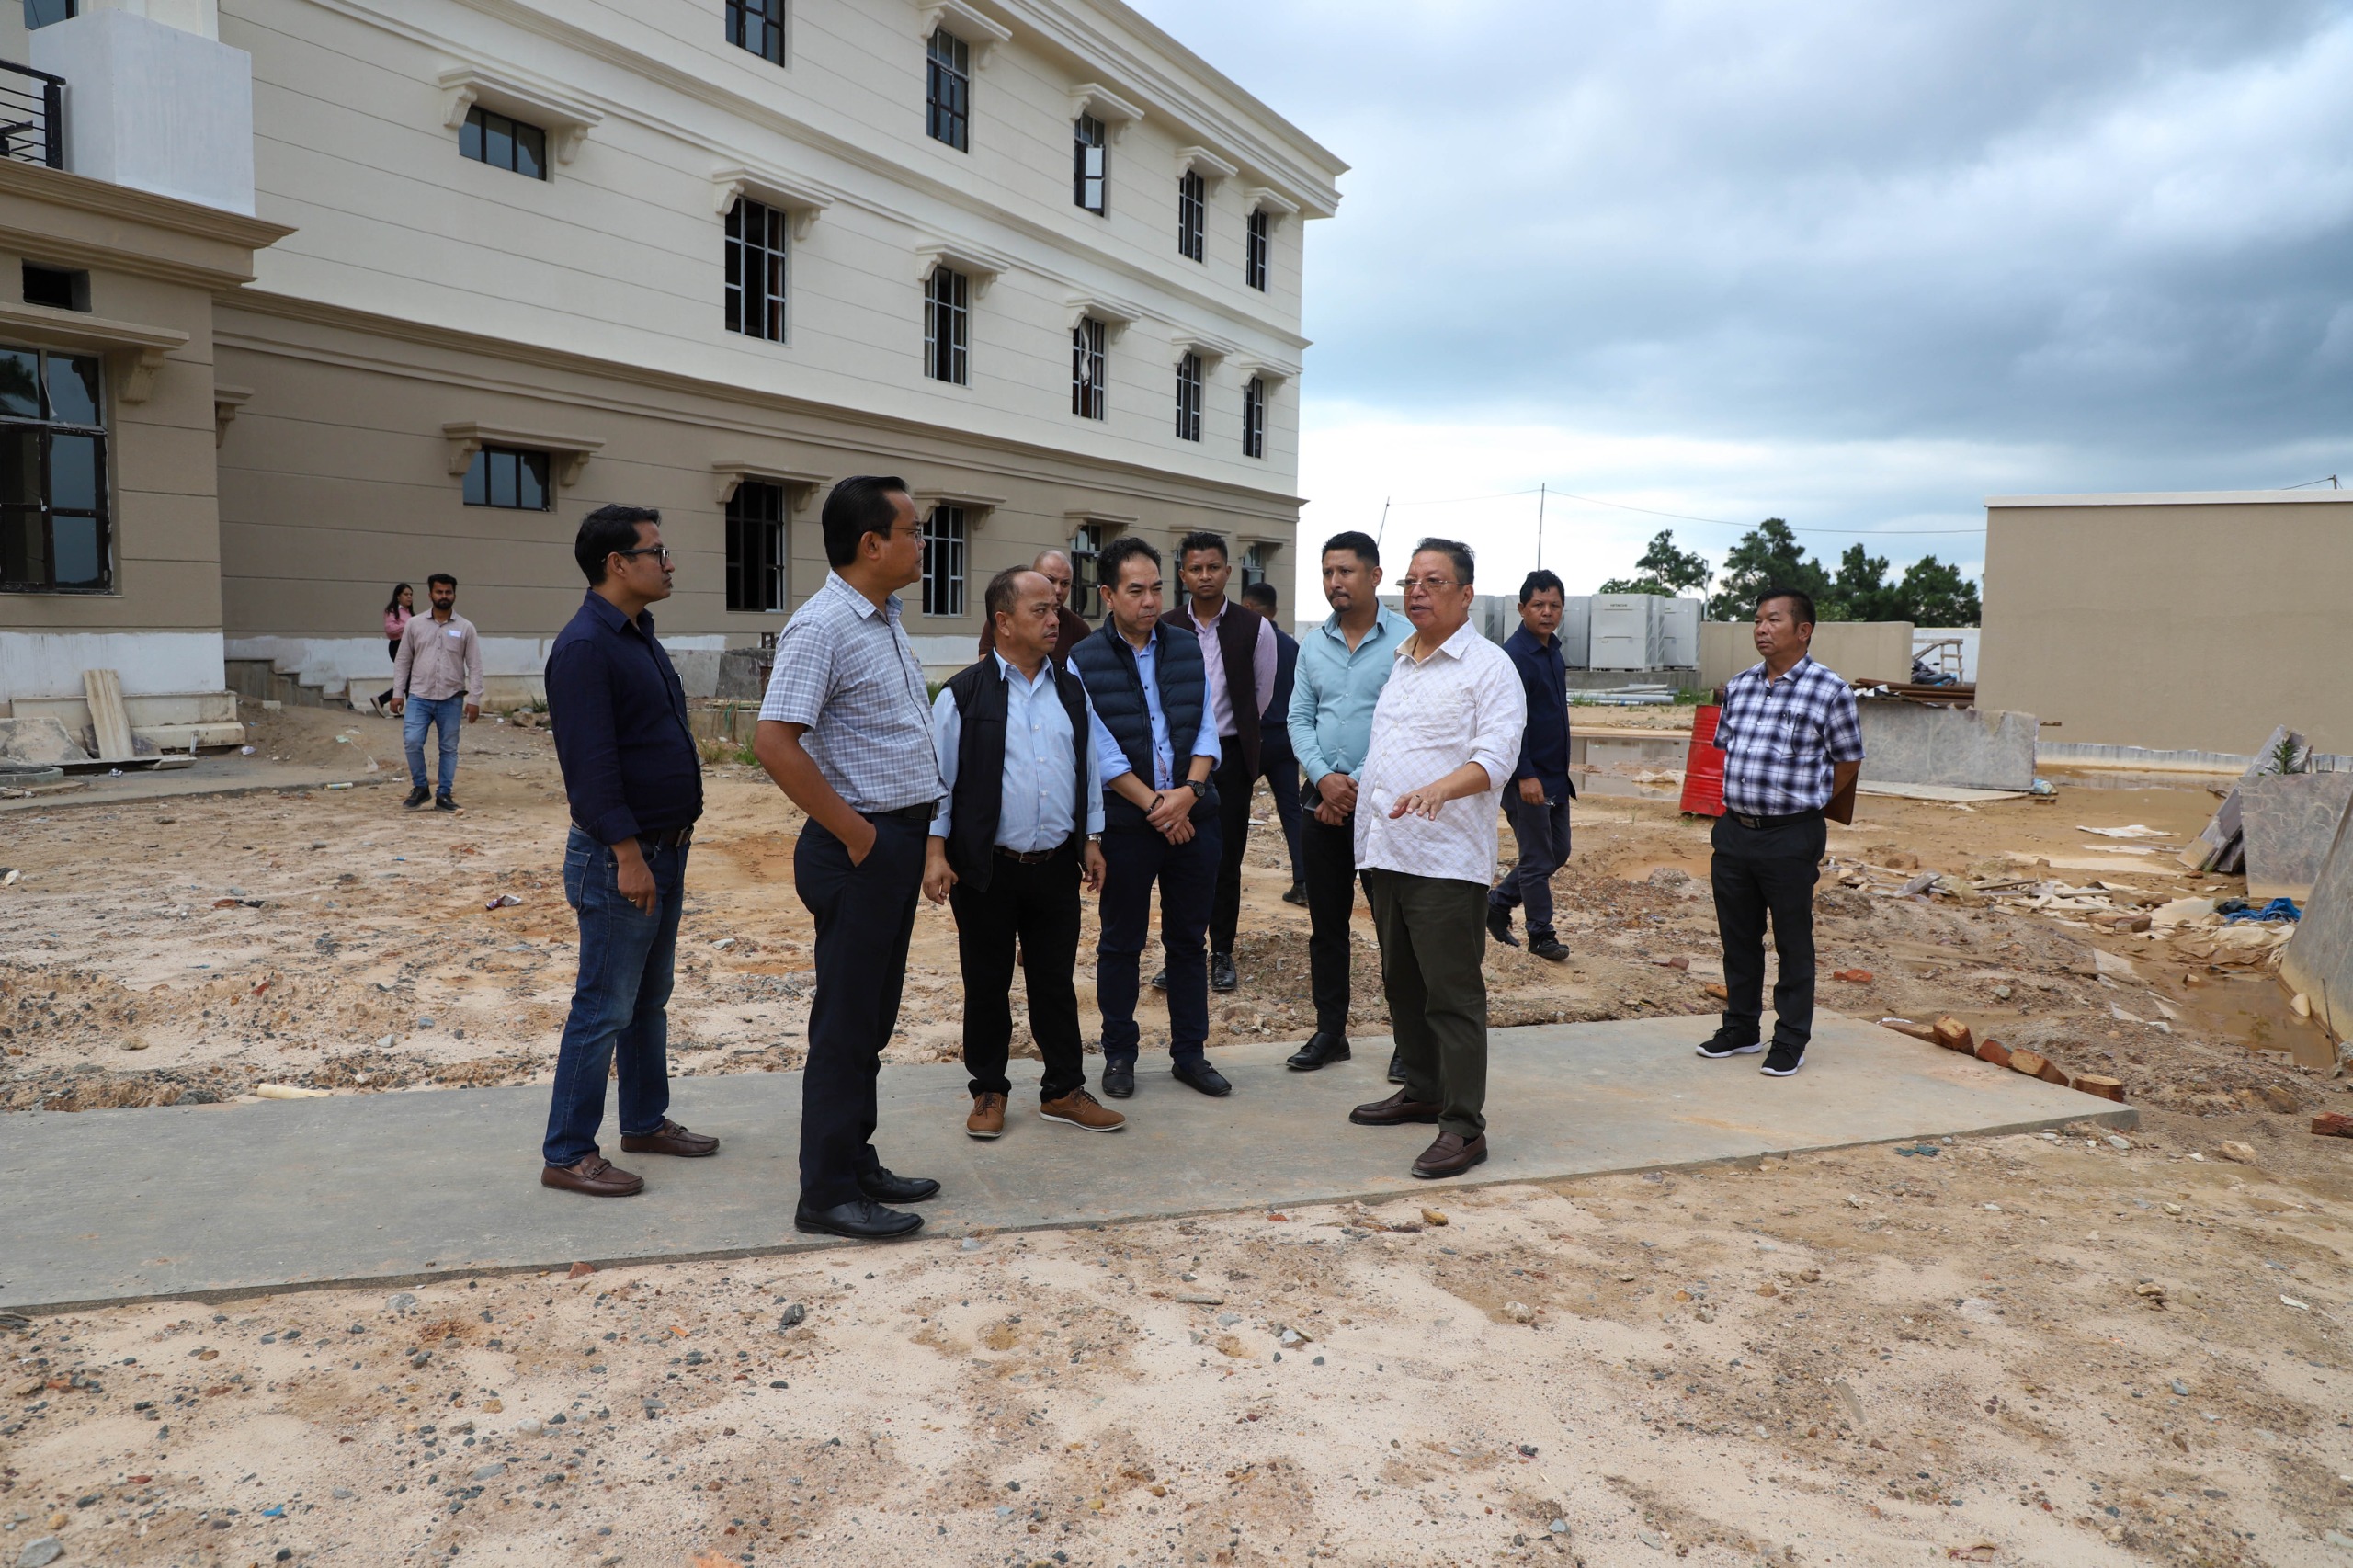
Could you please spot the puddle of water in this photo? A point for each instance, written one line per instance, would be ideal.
(2105, 778)
(2255, 1013)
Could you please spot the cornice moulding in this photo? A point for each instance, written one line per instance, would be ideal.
(1115, 316)
(977, 508)
(983, 267)
(981, 33)
(802, 198)
(565, 120)
(1118, 113)
(1214, 171)
(800, 487)
(139, 349)
(1266, 370)
(468, 436)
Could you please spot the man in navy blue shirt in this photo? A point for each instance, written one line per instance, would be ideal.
(1276, 763)
(635, 787)
(1538, 801)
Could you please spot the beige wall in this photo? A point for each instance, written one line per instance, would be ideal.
(2193, 623)
(1859, 650)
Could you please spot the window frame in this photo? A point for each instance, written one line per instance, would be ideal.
(1090, 369)
(758, 581)
(774, 253)
(948, 326)
(1089, 135)
(1192, 216)
(769, 16)
(1257, 249)
(947, 544)
(539, 465)
(476, 129)
(948, 116)
(1188, 397)
(1254, 419)
(45, 428)
(1256, 564)
(1086, 542)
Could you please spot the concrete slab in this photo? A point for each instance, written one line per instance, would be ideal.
(206, 776)
(2289, 822)
(222, 1200)
(2318, 959)
(1910, 743)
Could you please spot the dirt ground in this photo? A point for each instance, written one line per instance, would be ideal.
(2016, 1349)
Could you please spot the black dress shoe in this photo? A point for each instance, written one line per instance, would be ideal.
(418, 797)
(1396, 1066)
(1548, 947)
(1500, 926)
(1119, 1079)
(1323, 1049)
(1198, 1074)
(1222, 972)
(1160, 981)
(445, 802)
(861, 1220)
(1298, 895)
(884, 1187)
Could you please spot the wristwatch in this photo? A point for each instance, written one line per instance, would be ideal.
(1198, 787)
(1094, 838)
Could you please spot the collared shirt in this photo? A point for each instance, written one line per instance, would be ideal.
(1781, 737)
(1544, 745)
(844, 669)
(628, 760)
(438, 659)
(1112, 760)
(1033, 812)
(1464, 703)
(1262, 663)
(1333, 690)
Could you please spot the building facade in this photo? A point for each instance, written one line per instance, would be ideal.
(711, 256)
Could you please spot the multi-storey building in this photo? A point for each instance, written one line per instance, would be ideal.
(533, 256)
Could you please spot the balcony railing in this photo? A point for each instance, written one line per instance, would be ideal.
(32, 115)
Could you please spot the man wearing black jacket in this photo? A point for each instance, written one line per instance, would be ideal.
(1238, 672)
(635, 789)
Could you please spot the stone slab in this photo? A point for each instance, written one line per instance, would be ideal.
(1911, 742)
(2318, 959)
(2289, 820)
(381, 1189)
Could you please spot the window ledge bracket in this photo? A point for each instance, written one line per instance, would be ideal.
(799, 488)
(566, 120)
(1211, 349)
(1200, 161)
(984, 267)
(981, 33)
(1116, 317)
(468, 436)
(1272, 202)
(977, 507)
(803, 198)
(1266, 370)
(1116, 112)
(141, 349)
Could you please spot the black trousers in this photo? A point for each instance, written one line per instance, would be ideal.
(1327, 858)
(1757, 871)
(1037, 907)
(1234, 783)
(865, 915)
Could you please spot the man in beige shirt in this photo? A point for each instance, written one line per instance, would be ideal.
(436, 675)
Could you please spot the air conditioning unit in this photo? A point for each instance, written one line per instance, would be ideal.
(1625, 632)
(1678, 633)
(1577, 632)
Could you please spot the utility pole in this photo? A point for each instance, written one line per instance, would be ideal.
(1380, 532)
(1539, 524)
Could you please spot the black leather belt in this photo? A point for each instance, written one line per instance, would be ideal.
(668, 839)
(1759, 823)
(1029, 856)
(922, 814)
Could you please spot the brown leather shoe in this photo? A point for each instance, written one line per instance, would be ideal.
(594, 1175)
(1082, 1109)
(987, 1119)
(1395, 1111)
(1451, 1156)
(669, 1138)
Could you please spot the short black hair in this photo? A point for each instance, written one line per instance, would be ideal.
(1803, 600)
(1118, 554)
(437, 579)
(1203, 538)
(858, 506)
(1256, 594)
(1454, 550)
(604, 530)
(999, 597)
(1540, 580)
(1366, 550)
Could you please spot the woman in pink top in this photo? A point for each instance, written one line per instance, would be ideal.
(397, 611)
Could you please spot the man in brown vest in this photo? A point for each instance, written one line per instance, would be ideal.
(1070, 627)
(1238, 658)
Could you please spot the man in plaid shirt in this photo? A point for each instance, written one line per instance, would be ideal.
(1790, 742)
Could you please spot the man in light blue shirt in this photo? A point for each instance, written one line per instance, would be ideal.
(1343, 665)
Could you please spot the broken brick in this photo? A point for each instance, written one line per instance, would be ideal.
(2333, 1124)
(2100, 1083)
(1853, 976)
(1953, 1035)
(1994, 1051)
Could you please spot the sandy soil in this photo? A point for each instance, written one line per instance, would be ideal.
(1865, 1356)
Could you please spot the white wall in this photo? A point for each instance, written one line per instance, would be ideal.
(50, 664)
(153, 106)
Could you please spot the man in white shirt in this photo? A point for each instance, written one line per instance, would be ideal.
(1444, 741)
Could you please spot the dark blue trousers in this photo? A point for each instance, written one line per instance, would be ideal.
(1135, 860)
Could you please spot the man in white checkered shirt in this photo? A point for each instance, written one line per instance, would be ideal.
(1790, 742)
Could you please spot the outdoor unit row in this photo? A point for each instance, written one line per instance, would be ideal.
(1605, 631)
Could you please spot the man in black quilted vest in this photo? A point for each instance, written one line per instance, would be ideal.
(1158, 745)
(1022, 826)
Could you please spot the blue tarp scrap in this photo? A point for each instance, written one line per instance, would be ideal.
(2239, 911)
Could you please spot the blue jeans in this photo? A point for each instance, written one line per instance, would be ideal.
(421, 713)
(618, 1003)
(1134, 861)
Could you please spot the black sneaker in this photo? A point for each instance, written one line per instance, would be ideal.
(1160, 981)
(1719, 1048)
(418, 797)
(1297, 894)
(1783, 1060)
(1499, 925)
(1222, 972)
(445, 803)
(1548, 947)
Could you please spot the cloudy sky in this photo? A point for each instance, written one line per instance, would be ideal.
(1859, 266)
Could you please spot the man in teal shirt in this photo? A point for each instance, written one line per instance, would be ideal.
(1343, 665)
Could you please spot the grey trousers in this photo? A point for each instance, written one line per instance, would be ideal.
(1433, 936)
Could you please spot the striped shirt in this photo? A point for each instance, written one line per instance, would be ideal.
(845, 670)
(1781, 737)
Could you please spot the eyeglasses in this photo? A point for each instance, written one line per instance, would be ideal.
(659, 552)
(1408, 585)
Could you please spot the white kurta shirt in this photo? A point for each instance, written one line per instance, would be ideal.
(1464, 703)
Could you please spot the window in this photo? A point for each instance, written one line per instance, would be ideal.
(502, 476)
(40, 13)
(949, 109)
(1192, 217)
(947, 317)
(504, 144)
(1188, 398)
(1087, 369)
(1090, 165)
(1086, 549)
(756, 255)
(1254, 419)
(758, 26)
(53, 529)
(1256, 563)
(755, 547)
(943, 561)
(56, 288)
(1254, 259)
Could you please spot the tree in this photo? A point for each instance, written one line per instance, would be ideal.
(1666, 571)
(1860, 591)
(1768, 556)
(1937, 595)
(1928, 594)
